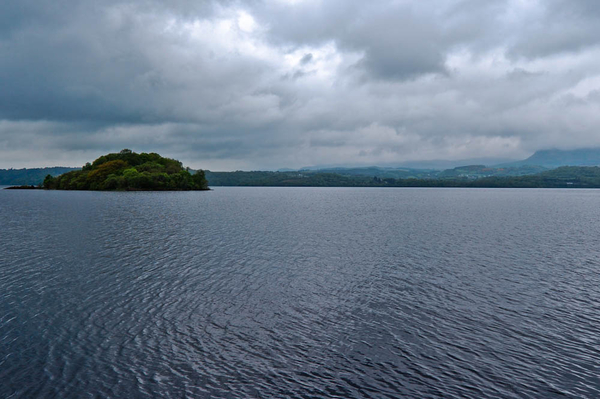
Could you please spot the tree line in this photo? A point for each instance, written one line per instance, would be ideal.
(563, 177)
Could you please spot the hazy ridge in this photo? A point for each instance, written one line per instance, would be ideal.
(536, 165)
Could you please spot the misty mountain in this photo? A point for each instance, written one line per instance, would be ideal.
(430, 164)
(538, 162)
(466, 171)
(376, 171)
(481, 171)
(555, 158)
(546, 159)
(442, 164)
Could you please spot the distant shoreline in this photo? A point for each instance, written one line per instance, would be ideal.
(152, 178)
(298, 186)
(563, 177)
(440, 186)
(23, 188)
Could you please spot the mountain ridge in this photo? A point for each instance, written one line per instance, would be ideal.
(554, 158)
(538, 162)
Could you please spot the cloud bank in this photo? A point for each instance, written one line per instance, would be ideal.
(227, 85)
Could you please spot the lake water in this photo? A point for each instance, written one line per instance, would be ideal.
(300, 293)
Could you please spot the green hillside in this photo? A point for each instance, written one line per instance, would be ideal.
(33, 176)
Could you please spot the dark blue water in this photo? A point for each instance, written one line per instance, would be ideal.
(300, 293)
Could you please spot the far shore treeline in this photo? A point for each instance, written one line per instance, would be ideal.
(129, 171)
(563, 177)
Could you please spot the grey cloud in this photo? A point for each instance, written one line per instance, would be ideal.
(398, 44)
(312, 82)
(306, 59)
(396, 41)
(112, 68)
(562, 26)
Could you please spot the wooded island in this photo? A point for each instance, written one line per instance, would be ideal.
(129, 171)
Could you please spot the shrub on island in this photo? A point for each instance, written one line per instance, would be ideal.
(129, 171)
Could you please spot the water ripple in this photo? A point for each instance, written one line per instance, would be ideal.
(300, 293)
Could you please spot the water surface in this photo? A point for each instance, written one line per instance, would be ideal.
(300, 293)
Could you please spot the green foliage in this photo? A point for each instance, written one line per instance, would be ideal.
(128, 171)
(564, 177)
(49, 181)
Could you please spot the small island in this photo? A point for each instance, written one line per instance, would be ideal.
(129, 171)
(24, 187)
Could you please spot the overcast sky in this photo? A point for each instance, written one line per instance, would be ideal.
(227, 85)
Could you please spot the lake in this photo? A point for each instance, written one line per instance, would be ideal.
(300, 293)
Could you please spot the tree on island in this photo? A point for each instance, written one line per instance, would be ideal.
(129, 171)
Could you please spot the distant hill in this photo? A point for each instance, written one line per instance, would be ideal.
(562, 177)
(449, 164)
(432, 164)
(33, 176)
(548, 159)
(480, 171)
(555, 158)
(367, 176)
(364, 176)
(469, 176)
(371, 171)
